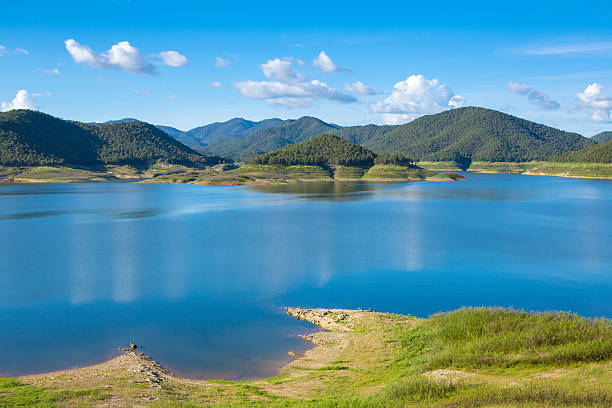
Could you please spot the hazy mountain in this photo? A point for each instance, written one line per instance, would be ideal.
(602, 137)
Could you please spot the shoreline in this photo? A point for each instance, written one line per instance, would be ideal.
(368, 358)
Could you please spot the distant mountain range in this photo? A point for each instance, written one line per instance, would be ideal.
(461, 135)
(602, 137)
(30, 138)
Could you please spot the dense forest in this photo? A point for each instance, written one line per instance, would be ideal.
(599, 153)
(476, 134)
(602, 137)
(462, 135)
(29, 138)
(323, 150)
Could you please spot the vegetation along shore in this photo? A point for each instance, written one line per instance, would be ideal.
(469, 357)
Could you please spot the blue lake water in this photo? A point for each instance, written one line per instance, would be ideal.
(196, 275)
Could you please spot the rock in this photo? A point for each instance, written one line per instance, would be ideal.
(133, 346)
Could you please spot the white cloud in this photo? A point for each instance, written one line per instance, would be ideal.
(289, 87)
(3, 50)
(292, 94)
(142, 92)
(518, 88)
(416, 96)
(534, 97)
(216, 84)
(325, 63)
(122, 56)
(23, 100)
(361, 88)
(596, 103)
(54, 71)
(281, 70)
(221, 62)
(172, 96)
(172, 58)
(21, 51)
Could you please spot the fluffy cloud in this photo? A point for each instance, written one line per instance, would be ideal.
(535, 97)
(416, 96)
(122, 56)
(518, 88)
(325, 63)
(596, 103)
(172, 58)
(281, 70)
(295, 94)
(289, 87)
(23, 100)
(221, 62)
(361, 88)
(216, 84)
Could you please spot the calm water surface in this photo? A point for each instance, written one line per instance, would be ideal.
(196, 275)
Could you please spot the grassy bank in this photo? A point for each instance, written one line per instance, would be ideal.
(471, 357)
(558, 169)
(71, 174)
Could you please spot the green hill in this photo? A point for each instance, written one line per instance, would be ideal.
(290, 132)
(599, 153)
(29, 138)
(476, 134)
(323, 150)
(602, 137)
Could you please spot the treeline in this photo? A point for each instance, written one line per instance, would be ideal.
(323, 150)
(599, 153)
(29, 138)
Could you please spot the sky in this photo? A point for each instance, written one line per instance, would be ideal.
(190, 63)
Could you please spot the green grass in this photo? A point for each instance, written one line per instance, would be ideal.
(391, 171)
(13, 393)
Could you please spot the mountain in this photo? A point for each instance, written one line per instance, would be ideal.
(599, 153)
(289, 132)
(30, 138)
(183, 137)
(124, 120)
(232, 129)
(323, 150)
(476, 134)
(602, 137)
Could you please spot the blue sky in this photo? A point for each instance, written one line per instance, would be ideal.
(185, 64)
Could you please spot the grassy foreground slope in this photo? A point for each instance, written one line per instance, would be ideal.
(471, 134)
(471, 357)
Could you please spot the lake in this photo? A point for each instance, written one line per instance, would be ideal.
(196, 275)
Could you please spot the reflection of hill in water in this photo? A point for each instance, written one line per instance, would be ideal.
(334, 190)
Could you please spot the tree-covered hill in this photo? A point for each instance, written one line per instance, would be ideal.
(602, 137)
(599, 153)
(476, 134)
(30, 138)
(266, 140)
(323, 150)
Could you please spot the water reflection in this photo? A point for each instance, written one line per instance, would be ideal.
(333, 191)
